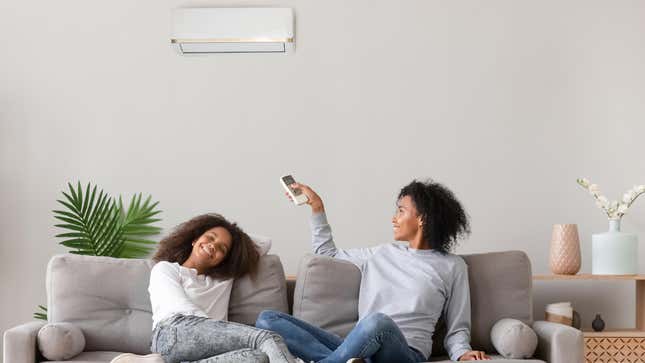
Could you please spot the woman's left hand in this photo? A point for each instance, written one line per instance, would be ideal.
(474, 355)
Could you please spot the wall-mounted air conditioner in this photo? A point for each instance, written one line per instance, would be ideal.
(232, 30)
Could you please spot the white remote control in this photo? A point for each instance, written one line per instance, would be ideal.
(296, 194)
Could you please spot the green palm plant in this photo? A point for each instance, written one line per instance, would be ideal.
(100, 225)
(42, 314)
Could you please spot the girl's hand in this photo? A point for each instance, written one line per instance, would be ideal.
(474, 355)
(314, 200)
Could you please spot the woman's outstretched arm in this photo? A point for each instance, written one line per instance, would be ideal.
(321, 236)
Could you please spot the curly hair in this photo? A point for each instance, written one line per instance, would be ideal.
(444, 219)
(242, 258)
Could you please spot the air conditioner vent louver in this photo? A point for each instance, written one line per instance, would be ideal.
(233, 30)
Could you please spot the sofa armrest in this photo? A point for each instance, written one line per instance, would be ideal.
(558, 343)
(20, 343)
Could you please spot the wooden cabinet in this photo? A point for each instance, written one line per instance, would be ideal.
(614, 345)
(618, 347)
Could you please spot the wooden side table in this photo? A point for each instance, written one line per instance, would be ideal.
(616, 345)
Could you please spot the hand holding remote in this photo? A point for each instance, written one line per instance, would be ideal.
(314, 200)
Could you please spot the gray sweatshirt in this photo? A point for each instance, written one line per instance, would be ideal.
(413, 287)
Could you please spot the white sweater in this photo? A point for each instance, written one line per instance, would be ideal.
(175, 289)
(413, 287)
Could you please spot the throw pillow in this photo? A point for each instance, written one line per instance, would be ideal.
(60, 341)
(513, 339)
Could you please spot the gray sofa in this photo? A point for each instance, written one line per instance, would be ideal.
(108, 299)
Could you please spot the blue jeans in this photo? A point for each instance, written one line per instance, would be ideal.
(376, 337)
(188, 338)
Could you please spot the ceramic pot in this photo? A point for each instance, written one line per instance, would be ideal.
(565, 249)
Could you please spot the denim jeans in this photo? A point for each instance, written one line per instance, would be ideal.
(187, 338)
(375, 337)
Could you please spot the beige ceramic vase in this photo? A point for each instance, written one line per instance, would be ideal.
(565, 249)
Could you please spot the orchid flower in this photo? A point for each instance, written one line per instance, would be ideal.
(614, 209)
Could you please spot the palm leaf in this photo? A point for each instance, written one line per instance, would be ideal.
(88, 201)
(110, 233)
(78, 205)
(42, 314)
(93, 216)
(137, 225)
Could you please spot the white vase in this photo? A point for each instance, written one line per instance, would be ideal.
(614, 252)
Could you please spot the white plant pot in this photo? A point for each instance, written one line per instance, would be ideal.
(614, 252)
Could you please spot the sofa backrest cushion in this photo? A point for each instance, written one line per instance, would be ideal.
(501, 286)
(326, 294)
(266, 291)
(108, 298)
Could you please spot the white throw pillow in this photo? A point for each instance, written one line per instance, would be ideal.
(60, 341)
(513, 339)
(262, 243)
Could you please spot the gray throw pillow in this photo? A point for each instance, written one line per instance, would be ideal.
(513, 339)
(60, 341)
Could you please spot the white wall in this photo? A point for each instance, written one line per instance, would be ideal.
(506, 102)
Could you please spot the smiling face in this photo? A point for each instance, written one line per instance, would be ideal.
(406, 222)
(211, 248)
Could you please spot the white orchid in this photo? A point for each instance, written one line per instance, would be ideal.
(614, 209)
(627, 198)
(622, 208)
(603, 201)
(584, 182)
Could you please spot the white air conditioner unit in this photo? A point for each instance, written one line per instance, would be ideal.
(232, 30)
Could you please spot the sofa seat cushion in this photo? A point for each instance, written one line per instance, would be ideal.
(494, 359)
(106, 357)
(90, 357)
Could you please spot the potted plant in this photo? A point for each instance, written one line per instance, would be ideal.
(614, 252)
(99, 225)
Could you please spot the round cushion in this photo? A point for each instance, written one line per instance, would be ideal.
(60, 341)
(513, 339)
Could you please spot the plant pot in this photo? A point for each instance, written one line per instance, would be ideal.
(614, 252)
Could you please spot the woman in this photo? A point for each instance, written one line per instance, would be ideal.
(190, 287)
(404, 290)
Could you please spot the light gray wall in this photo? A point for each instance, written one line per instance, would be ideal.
(506, 102)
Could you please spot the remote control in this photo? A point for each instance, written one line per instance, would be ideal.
(296, 194)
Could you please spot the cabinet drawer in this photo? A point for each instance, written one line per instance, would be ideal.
(614, 349)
